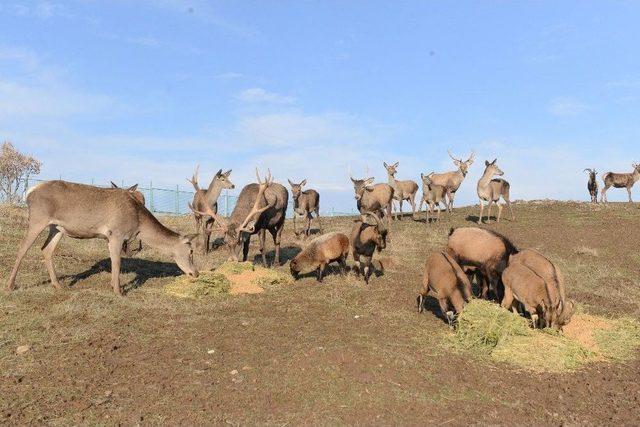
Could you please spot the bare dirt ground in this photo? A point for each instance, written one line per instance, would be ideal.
(333, 353)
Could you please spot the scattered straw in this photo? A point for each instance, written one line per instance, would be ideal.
(207, 284)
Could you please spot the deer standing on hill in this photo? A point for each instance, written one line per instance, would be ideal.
(259, 207)
(372, 197)
(490, 190)
(304, 203)
(592, 185)
(452, 180)
(204, 223)
(432, 195)
(87, 212)
(620, 180)
(402, 190)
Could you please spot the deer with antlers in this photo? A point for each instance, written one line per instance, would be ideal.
(259, 208)
(620, 180)
(453, 179)
(208, 197)
(491, 190)
(304, 203)
(402, 190)
(592, 185)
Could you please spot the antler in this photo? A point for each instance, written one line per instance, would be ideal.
(255, 211)
(220, 221)
(472, 156)
(451, 155)
(194, 178)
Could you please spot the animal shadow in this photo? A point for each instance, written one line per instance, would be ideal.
(431, 304)
(287, 253)
(330, 270)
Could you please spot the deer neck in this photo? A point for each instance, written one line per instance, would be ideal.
(485, 179)
(155, 234)
(213, 192)
(392, 181)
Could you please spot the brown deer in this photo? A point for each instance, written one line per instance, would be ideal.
(129, 248)
(368, 234)
(432, 194)
(453, 179)
(620, 180)
(204, 223)
(323, 250)
(86, 212)
(402, 190)
(134, 192)
(372, 197)
(259, 207)
(592, 185)
(304, 203)
(491, 190)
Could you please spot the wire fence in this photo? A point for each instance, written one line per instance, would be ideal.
(174, 201)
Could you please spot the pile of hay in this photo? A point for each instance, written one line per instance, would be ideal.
(486, 329)
(230, 278)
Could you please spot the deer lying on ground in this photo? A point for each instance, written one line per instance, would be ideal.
(432, 194)
(484, 249)
(402, 190)
(374, 198)
(208, 197)
(620, 180)
(304, 203)
(259, 207)
(444, 280)
(592, 185)
(129, 248)
(491, 190)
(368, 234)
(86, 212)
(452, 180)
(323, 250)
(537, 283)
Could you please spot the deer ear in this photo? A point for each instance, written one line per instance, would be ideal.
(303, 183)
(133, 188)
(113, 185)
(494, 161)
(457, 162)
(353, 180)
(486, 163)
(385, 165)
(395, 165)
(290, 183)
(219, 173)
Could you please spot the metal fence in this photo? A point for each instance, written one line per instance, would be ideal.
(176, 201)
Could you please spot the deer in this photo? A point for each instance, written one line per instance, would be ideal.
(432, 194)
(402, 190)
(369, 233)
(87, 212)
(372, 197)
(592, 185)
(620, 180)
(259, 207)
(127, 248)
(323, 250)
(204, 223)
(453, 179)
(491, 190)
(304, 203)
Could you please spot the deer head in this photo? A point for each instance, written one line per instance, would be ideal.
(463, 165)
(426, 179)
(362, 185)
(223, 179)
(296, 189)
(183, 254)
(391, 169)
(493, 168)
(380, 236)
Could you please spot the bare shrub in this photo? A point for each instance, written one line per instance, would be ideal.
(15, 168)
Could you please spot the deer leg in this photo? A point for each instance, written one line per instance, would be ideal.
(308, 224)
(629, 193)
(507, 300)
(245, 248)
(499, 211)
(115, 245)
(389, 211)
(343, 265)
(367, 269)
(47, 251)
(489, 212)
(318, 218)
(33, 232)
(277, 237)
(206, 231)
(400, 208)
(412, 202)
(481, 210)
(356, 263)
(603, 195)
(261, 237)
(320, 271)
(294, 223)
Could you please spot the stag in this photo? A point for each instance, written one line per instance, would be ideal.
(491, 190)
(453, 179)
(592, 185)
(259, 207)
(87, 212)
(304, 203)
(204, 223)
(373, 198)
(620, 180)
(402, 190)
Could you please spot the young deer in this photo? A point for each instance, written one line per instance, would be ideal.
(592, 185)
(372, 197)
(368, 234)
(304, 203)
(452, 180)
(86, 212)
(204, 223)
(620, 180)
(432, 194)
(490, 190)
(402, 190)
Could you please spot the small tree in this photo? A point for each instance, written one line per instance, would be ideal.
(15, 168)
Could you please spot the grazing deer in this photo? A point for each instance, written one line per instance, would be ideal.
(452, 180)
(402, 190)
(372, 197)
(304, 203)
(323, 250)
(592, 185)
(620, 180)
(134, 192)
(204, 223)
(432, 194)
(127, 247)
(259, 207)
(368, 234)
(86, 212)
(490, 190)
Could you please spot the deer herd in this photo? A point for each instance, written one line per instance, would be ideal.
(521, 280)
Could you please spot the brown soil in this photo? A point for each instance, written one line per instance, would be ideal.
(243, 283)
(339, 352)
(582, 329)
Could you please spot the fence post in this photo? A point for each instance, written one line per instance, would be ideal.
(151, 196)
(177, 200)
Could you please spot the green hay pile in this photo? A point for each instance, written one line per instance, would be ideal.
(229, 267)
(487, 330)
(207, 284)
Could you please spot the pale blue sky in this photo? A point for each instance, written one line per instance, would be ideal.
(142, 91)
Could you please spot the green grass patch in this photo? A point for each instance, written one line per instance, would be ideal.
(207, 284)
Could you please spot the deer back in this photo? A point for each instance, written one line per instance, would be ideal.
(276, 195)
(307, 201)
(376, 199)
